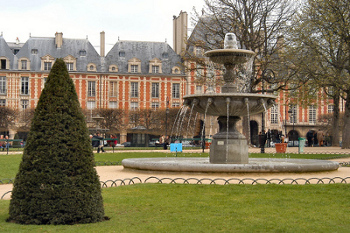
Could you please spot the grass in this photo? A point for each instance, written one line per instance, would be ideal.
(213, 208)
(9, 163)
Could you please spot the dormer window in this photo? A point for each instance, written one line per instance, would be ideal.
(82, 53)
(199, 51)
(47, 65)
(134, 65)
(121, 54)
(134, 68)
(47, 62)
(34, 51)
(91, 67)
(4, 63)
(155, 66)
(113, 68)
(165, 55)
(71, 63)
(155, 69)
(23, 64)
(176, 70)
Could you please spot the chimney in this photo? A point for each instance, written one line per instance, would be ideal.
(102, 44)
(180, 32)
(59, 39)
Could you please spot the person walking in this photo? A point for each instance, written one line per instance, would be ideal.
(97, 141)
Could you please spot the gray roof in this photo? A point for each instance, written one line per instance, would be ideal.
(5, 51)
(145, 51)
(47, 46)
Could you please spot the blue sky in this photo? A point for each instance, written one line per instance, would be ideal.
(144, 20)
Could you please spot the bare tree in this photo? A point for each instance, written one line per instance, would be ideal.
(258, 25)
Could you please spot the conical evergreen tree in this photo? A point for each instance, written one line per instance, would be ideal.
(57, 182)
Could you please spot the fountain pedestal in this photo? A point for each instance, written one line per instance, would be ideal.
(228, 146)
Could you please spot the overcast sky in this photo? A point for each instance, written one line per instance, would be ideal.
(142, 20)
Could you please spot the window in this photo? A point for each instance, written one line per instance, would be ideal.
(312, 114)
(175, 105)
(155, 66)
(23, 64)
(165, 55)
(2, 102)
(274, 114)
(155, 69)
(134, 65)
(113, 89)
(134, 90)
(3, 64)
(155, 90)
(176, 91)
(199, 51)
(134, 105)
(134, 68)
(155, 105)
(121, 54)
(198, 89)
(91, 105)
(44, 82)
(24, 85)
(91, 88)
(113, 68)
(293, 117)
(82, 53)
(47, 65)
(24, 104)
(113, 104)
(91, 67)
(34, 51)
(330, 108)
(70, 66)
(2, 85)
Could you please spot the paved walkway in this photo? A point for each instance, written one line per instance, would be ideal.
(109, 174)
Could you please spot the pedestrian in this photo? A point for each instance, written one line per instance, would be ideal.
(166, 142)
(162, 140)
(320, 137)
(97, 141)
(309, 137)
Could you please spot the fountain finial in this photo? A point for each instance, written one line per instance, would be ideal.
(230, 41)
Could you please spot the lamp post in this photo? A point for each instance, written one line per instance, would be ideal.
(292, 115)
(166, 116)
(267, 74)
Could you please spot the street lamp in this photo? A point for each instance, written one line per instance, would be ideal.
(166, 116)
(268, 75)
(292, 115)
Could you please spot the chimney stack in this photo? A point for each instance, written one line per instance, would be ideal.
(102, 44)
(59, 39)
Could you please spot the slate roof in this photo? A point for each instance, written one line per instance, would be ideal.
(145, 51)
(5, 51)
(47, 46)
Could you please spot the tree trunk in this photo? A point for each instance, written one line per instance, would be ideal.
(346, 128)
(335, 128)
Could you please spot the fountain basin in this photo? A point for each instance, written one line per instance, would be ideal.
(229, 56)
(255, 165)
(236, 102)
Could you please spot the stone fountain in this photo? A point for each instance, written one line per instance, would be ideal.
(229, 145)
(229, 148)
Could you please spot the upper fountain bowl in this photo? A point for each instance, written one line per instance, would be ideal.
(229, 56)
(232, 104)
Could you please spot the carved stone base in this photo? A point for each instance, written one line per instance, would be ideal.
(228, 146)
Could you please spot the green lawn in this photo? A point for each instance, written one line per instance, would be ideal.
(213, 208)
(9, 163)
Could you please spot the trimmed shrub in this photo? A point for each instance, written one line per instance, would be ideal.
(57, 182)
